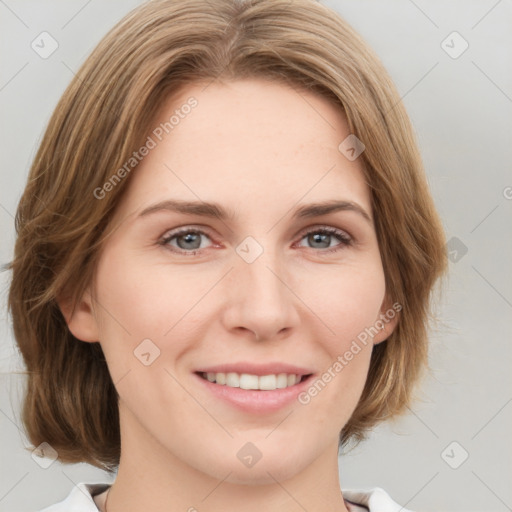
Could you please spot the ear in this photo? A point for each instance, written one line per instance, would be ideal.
(81, 322)
(387, 320)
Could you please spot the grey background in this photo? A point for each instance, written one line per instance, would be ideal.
(461, 109)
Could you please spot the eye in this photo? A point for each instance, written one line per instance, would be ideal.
(321, 238)
(187, 240)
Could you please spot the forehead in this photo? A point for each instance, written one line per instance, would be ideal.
(247, 143)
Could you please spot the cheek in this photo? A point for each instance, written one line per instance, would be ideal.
(145, 299)
(347, 304)
(140, 301)
(347, 300)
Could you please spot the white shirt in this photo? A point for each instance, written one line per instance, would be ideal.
(80, 499)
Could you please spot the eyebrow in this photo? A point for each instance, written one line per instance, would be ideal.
(205, 209)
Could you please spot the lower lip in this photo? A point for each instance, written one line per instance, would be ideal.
(255, 401)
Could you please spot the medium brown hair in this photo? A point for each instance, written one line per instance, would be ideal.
(105, 114)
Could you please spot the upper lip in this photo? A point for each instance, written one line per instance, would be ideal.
(256, 369)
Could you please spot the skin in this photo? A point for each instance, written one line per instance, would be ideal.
(260, 149)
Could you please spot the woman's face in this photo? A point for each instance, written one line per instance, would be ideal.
(257, 292)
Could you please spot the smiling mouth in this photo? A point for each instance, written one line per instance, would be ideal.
(249, 381)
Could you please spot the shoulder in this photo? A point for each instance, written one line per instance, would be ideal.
(373, 500)
(80, 499)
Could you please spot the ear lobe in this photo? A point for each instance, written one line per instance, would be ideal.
(387, 321)
(81, 322)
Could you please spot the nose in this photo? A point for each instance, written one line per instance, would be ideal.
(259, 298)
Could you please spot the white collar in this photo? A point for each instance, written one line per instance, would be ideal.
(80, 499)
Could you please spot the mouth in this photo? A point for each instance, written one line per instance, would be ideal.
(252, 388)
(249, 381)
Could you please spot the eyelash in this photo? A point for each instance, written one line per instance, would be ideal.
(345, 240)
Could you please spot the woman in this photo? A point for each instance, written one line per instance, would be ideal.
(224, 258)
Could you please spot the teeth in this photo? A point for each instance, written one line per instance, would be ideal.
(249, 381)
(232, 380)
(267, 382)
(282, 380)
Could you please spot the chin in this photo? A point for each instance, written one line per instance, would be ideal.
(264, 465)
(263, 474)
